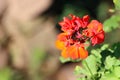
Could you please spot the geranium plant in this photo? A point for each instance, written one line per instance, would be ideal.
(77, 33)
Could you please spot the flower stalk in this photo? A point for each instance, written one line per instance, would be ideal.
(89, 70)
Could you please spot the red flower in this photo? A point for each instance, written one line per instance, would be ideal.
(95, 31)
(76, 31)
(98, 38)
(71, 25)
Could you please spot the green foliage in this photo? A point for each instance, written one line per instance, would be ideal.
(99, 66)
(90, 65)
(71, 9)
(5, 74)
(94, 62)
(110, 62)
(38, 55)
(112, 23)
(117, 4)
(37, 58)
(102, 10)
(63, 60)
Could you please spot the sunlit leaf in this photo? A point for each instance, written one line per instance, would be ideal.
(117, 4)
(110, 62)
(112, 23)
(63, 60)
(91, 64)
(116, 71)
(109, 77)
(79, 70)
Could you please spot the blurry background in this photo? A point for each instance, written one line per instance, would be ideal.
(28, 30)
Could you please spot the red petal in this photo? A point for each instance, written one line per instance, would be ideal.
(61, 23)
(62, 37)
(65, 53)
(73, 52)
(60, 45)
(99, 38)
(94, 25)
(85, 20)
(83, 53)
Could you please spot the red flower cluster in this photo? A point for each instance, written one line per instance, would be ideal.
(76, 31)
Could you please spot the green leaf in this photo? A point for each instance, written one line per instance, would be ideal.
(111, 23)
(105, 46)
(109, 76)
(96, 53)
(117, 4)
(63, 60)
(116, 50)
(110, 62)
(92, 65)
(107, 69)
(79, 70)
(116, 71)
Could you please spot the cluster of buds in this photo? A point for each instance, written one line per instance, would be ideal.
(76, 31)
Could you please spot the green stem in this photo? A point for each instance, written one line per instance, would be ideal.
(89, 70)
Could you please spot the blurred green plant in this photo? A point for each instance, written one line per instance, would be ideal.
(37, 58)
(117, 4)
(65, 60)
(113, 22)
(5, 74)
(71, 9)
